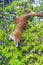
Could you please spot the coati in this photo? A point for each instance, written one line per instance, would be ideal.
(20, 25)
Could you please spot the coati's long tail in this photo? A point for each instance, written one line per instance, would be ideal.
(35, 14)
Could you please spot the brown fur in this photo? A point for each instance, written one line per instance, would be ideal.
(20, 24)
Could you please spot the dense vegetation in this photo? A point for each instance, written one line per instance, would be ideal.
(30, 51)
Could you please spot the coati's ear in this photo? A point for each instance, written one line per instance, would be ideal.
(9, 37)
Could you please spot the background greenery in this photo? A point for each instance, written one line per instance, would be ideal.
(30, 51)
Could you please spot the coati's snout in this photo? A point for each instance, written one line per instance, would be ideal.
(15, 37)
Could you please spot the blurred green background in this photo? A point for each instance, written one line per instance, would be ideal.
(30, 51)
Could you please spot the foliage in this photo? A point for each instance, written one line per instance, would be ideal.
(30, 51)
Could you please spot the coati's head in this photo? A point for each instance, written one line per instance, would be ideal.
(16, 37)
